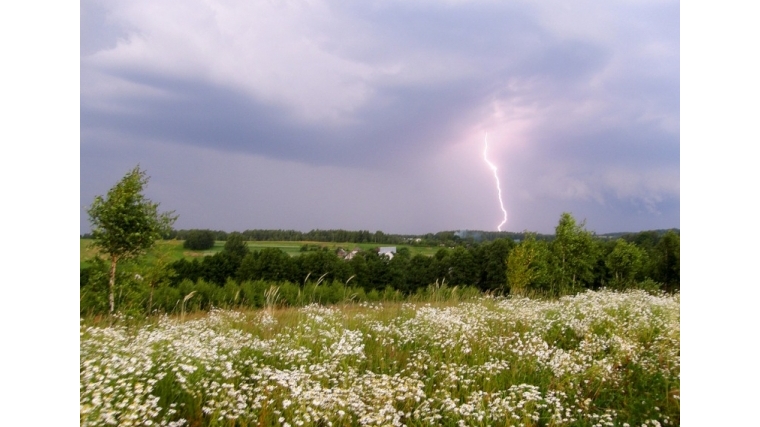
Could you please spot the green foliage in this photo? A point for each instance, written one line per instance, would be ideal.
(360, 269)
(131, 292)
(290, 294)
(397, 269)
(93, 288)
(235, 246)
(625, 263)
(253, 293)
(125, 224)
(166, 299)
(667, 265)
(322, 263)
(419, 273)
(490, 258)
(572, 256)
(650, 286)
(373, 295)
(462, 267)
(239, 277)
(441, 265)
(270, 264)
(562, 336)
(220, 267)
(199, 240)
(439, 293)
(527, 268)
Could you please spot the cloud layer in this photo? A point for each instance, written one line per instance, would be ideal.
(372, 116)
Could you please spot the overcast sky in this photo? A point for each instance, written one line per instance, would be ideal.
(372, 115)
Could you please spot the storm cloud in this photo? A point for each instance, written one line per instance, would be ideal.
(319, 114)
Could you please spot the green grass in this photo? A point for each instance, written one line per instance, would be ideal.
(171, 249)
(174, 250)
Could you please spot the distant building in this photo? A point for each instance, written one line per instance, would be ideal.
(347, 255)
(387, 251)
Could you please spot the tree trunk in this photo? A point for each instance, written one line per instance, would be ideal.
(112, 282)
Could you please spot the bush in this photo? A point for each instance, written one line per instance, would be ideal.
(231, 294)
(130, 291)
(198, 240)
(166, 299)
(649, 285)
(253, 293)
(289, 294)
(93, 288)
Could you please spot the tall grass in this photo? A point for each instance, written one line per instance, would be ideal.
(596, 359)
(135, 298)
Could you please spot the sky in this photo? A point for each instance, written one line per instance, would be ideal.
(373, 115)
(541, 124)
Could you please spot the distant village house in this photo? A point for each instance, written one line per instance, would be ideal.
(388, 251)
(343, 254)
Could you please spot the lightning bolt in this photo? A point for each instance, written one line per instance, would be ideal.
(498, 186)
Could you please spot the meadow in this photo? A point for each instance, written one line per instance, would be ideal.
(599, 358)
(173, 250)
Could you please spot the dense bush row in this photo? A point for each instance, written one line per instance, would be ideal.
(573, 261)
(136, 296)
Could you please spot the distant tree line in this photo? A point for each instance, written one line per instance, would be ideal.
(445, 238)
(574, 260)
(126, 225)
(482, 266)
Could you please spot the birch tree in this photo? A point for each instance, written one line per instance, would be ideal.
(125, 224)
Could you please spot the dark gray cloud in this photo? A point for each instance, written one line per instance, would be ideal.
(581, 102)
(405, 125)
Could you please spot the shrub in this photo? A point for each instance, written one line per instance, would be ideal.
(199, 240)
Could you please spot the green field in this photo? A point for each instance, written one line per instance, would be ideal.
(173, 250)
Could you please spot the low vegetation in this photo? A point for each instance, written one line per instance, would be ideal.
(599, 358)
(236, 273)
